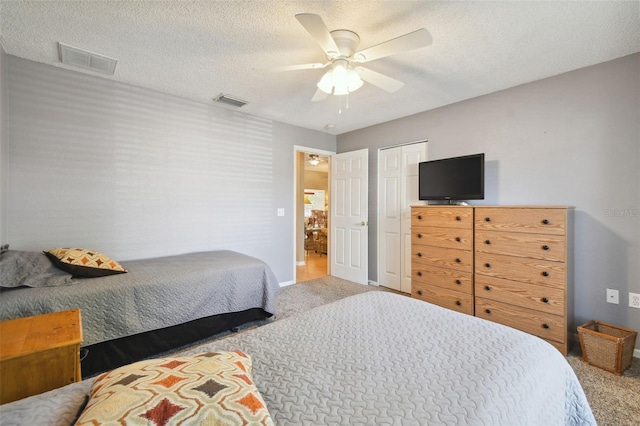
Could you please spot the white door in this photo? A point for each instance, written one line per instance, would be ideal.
(389, 217)
(397, 192)
(349, 216)
(412, 155)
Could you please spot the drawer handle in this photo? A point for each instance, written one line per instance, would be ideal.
(487, 219)
(458, 260)
(458, 239)
(419, 235)
(545, 247)
(419, 217)
(545, 300)
(458, 218)
(486, 287)
(458, 282)
(488, 265)
(419, 273)
(487, 242)
(545, 274)
(545, 326)
(459, 303)
(419, 254)
(545, 221)
(488, 311)
(419, 292)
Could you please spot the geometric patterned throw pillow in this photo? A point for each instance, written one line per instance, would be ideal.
(207, 389)
(84, 263)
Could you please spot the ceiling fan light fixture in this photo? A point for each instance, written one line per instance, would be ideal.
(340, 80)
(314, 160)
(326, 83)
(341, 89)
(354, 82)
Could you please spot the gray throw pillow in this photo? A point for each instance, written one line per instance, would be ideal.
(30, 269)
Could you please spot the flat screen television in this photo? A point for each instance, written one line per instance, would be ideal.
(457, 178)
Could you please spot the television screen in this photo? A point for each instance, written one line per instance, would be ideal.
(458, 178)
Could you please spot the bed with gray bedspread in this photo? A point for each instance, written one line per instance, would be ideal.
(381, 358)
(154, 294)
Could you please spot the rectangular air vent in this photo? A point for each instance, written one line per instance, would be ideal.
(87, 60)
(230, 100)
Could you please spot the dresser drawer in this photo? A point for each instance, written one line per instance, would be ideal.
(538, 246)
(460, 260)
(442, 277)
(449, 299)
(541, 324)
(534, 271)
(537, 297)
(530, 220)
(443, 217)
(442, 237)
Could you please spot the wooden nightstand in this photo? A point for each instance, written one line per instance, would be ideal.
(39, 353)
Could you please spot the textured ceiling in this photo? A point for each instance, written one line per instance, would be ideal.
(198, 49)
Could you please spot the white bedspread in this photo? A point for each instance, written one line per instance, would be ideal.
(380, 358)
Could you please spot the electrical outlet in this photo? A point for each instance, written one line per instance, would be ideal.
(613, 296)
(634, 300)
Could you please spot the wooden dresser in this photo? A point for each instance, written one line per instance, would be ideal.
(39, 353)
(522, 271)
(521, 268)
(442, 256)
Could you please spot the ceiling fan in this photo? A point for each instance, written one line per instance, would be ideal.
(346, 75)
(315, 159)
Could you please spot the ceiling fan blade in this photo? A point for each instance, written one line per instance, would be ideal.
(315, 26)
(319, 96)
(414, 40)
(314, 66)
(380, 80)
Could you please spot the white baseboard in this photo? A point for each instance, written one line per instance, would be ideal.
(374, 283)
(286, 283)
(301, 263)
(636, 353)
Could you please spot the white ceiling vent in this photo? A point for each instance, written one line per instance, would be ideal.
(230, 100)
(87, 60)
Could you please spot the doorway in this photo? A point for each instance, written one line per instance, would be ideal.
(312, 214)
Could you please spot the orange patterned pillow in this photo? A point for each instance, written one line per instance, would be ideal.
(84, 263)
(207, 389)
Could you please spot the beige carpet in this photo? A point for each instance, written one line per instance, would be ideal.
(615, 400)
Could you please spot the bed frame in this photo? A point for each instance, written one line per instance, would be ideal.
(105, 356)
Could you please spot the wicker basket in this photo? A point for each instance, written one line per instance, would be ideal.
(607, 346)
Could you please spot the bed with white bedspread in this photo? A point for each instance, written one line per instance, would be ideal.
(382, 358)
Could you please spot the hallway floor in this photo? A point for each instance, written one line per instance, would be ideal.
(315, 267)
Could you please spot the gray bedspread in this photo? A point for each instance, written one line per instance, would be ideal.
(155, 293)
(383, 359)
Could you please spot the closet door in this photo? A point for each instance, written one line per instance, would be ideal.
(397, 191)
(412, 155)
(389, 218)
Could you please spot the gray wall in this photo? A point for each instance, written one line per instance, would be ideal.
(573, 139)
(137, 174)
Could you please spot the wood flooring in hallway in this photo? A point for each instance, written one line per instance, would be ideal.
(315, 267)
